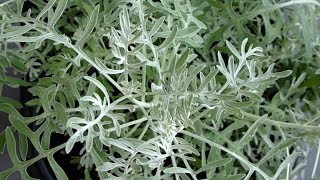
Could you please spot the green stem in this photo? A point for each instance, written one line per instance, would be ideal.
(128, 124)
(285, 125)
(174, 163)
(313, 176)
(144, 76)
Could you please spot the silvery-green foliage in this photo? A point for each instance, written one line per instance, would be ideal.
(142, 87)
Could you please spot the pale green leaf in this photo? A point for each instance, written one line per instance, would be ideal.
(282, 74)
(61, 114)
(120, 144)
(207, 79)
(89, 140)
(251, 95)
(169, 39)
(193, 73)
(71, 141)
(176, 170)
(100, 86)
(16, 82)
(156, 26)
(186, 147)
(107, 166)
(233, 50)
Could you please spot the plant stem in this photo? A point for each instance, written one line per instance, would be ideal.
(128, 124)
(285, 125)
(313, 176)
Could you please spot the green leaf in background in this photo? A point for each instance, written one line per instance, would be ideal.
(10, 101)
(10, 110)
(2, 73)
(19, 31)
(46, 9)
(278, 147)
(89, 27)
(23, 146)
(11, 146)
(58, 12)
(250, 132)
(212, 165)
(58, 171)
(21, 127)
(2, 141)
(207, 79)
(4, 62)
(182, 60)
(235, 177)
(192, 74)
(284, 164)
(17, 63)
(15, 82)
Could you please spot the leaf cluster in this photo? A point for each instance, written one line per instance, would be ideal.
(163, 89)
